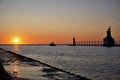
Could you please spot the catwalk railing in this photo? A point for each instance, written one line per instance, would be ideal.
(93, 43)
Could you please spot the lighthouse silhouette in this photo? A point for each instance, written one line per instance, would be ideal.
(108, 40)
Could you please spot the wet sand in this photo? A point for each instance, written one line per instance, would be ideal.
(23, 68)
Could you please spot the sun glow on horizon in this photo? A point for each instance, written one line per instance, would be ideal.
(16, 40)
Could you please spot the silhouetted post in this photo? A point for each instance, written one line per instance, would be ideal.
(74, 42)
(97, 42)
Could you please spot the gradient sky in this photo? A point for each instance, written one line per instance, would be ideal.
(44, 21)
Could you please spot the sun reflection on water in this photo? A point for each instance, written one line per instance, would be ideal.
(15, 69)
(16, 47)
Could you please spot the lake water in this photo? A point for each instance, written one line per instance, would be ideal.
(94, 62)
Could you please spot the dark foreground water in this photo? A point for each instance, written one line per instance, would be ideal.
(97, 63)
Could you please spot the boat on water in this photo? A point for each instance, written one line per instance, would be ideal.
(52, 44)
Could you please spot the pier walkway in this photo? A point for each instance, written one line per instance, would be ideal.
(23, 68)
(92, 43)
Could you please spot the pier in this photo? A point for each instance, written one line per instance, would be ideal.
(92, 43)
(108, 41)
(89, 43)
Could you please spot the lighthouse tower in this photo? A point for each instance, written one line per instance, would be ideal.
(74, 42)
(108, 40)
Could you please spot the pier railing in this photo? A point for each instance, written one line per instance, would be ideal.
(117, 43)
(93, 43)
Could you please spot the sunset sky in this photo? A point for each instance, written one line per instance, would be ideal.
(44, 21)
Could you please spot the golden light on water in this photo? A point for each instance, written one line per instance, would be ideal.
(15, 69)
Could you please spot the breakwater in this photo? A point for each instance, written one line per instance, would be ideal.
(46, 68)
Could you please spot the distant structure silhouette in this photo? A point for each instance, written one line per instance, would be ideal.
(52, 44)
(74, 42)
(108, 40)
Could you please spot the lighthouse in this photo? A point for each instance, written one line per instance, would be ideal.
(108, 40)
(74, 42)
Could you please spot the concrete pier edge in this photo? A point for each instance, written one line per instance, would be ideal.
(9, 77)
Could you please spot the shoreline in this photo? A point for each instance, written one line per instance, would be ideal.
(12, 57)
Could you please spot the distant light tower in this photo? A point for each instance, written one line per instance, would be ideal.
(74, 42)
(108, 40)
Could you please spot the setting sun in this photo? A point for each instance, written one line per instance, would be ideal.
(16, 40)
